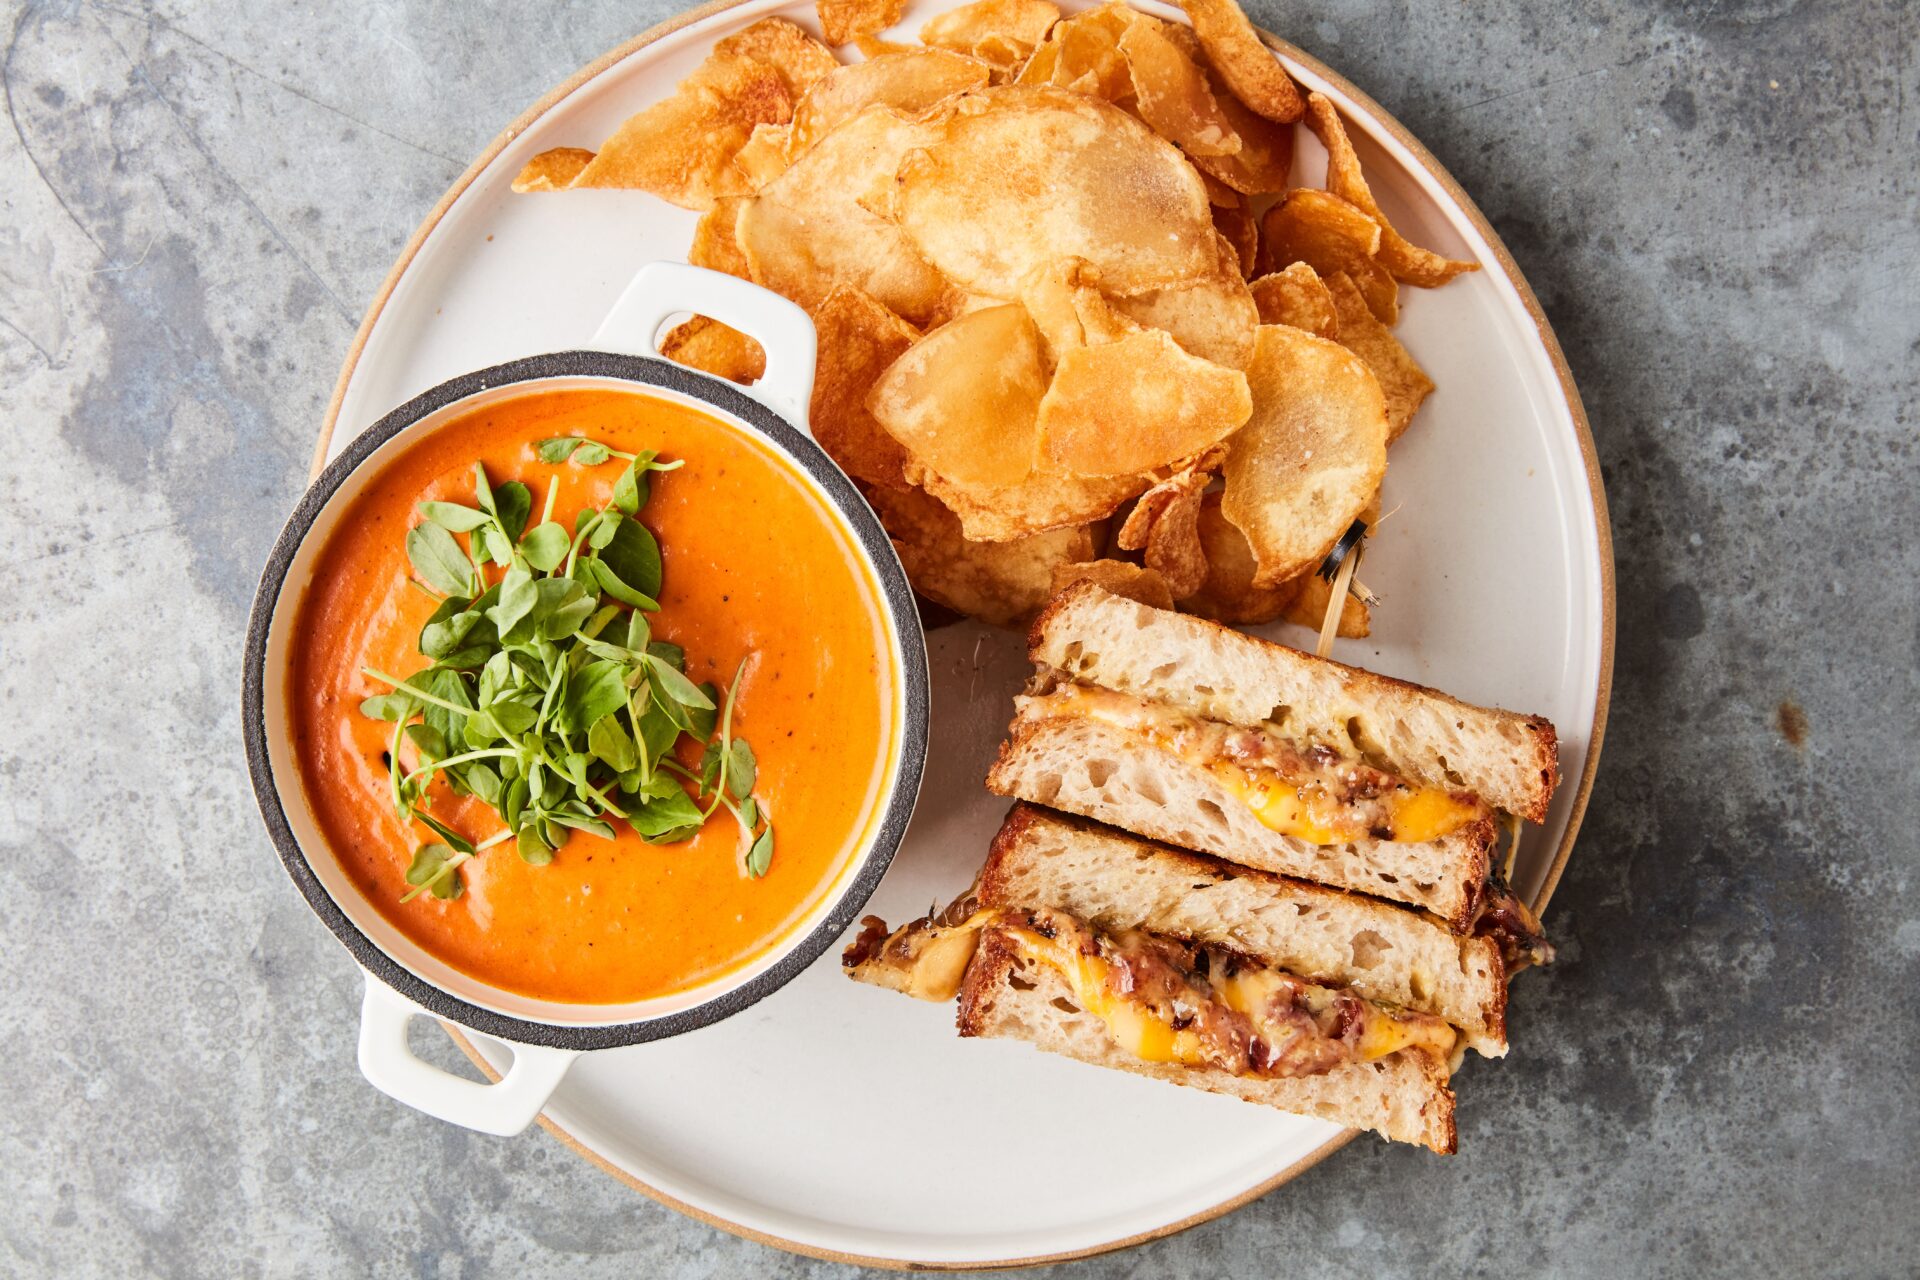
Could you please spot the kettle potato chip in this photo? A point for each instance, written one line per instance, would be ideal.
(843, 21)
(1172, 94)
(1403, 382)
(1003, 583)
(716, 240)
(859, 340)
(1130, 406)
(814, 227)
(965, 399)
(1165, 524)
(1298, 297)
(705, 344)
(1211, 316)
(1265, 158)
(1076, 177)
(553, 170)
(909, 82)
(1248, 66)
(1311, 456)
(1403, 260)
(1000, 31)
(788, 49)
(1329, 235)
(1228, 594)
(1122, 577)
(1047, 499)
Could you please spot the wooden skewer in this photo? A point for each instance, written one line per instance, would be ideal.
(1336, 599)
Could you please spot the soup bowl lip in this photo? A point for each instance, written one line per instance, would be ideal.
(897, 602)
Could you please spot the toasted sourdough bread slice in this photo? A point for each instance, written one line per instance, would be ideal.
(1403, 1096)
(1102, 772)
(1115, 881)
(1091, 635)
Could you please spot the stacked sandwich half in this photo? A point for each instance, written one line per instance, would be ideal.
(1333, 930)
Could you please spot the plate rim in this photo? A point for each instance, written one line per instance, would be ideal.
(1583, 438)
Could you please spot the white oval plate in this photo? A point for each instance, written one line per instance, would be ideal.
(845, 1121)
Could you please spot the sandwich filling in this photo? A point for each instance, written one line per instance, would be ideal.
(1161, 999)
(1312, 793)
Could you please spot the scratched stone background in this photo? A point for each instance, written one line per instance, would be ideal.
(1717, 205)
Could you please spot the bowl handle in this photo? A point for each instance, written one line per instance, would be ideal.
(504, 1108)
(783, 330)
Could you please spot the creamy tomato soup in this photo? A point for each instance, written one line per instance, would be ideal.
(756, 569)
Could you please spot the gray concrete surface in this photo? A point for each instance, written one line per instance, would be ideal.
(1717, 204)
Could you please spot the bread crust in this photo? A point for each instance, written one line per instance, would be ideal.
(1522, 782)
(1404, 1097)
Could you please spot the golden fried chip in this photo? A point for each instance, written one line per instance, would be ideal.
(704, 343)
(553, 170)
(1023, 177)
(1402, 381)
(1019, 25)
(1329, 235)
(1121, 577)
(716, 242)
(1165, 523)
(1127, 407)
(859, 339)
(1054, 296)
(1308, 608)
(873, 47)
(1212, 316)
(1172, 95)
(1311, 456)
(1219, 194)
(1405, 261)
(908, 82)
(1298, 297)
(1228, 594)
(681, 148)
(845, 20)
(1082, 54)
(1237, 226)
(764, 158)
(787, 48)
(1044, 500)
(1003, 583)
(813, 227)
(964, 399)
(1248, 66)
(1265, 158)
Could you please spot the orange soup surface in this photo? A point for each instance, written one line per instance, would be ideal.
(756, 569)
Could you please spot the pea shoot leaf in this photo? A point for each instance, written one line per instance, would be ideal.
(611, 583)
(513, 503)
(630, 490)
(438, 560)
(546, 546)
(612, 743)
(663, 815)
(454, 517)
(742, 769)
(597, 689)
(634, 557)
(760, 856)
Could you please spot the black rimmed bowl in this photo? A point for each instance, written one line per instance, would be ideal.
(403, 979)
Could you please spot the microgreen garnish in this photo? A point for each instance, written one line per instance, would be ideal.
(545, 693)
